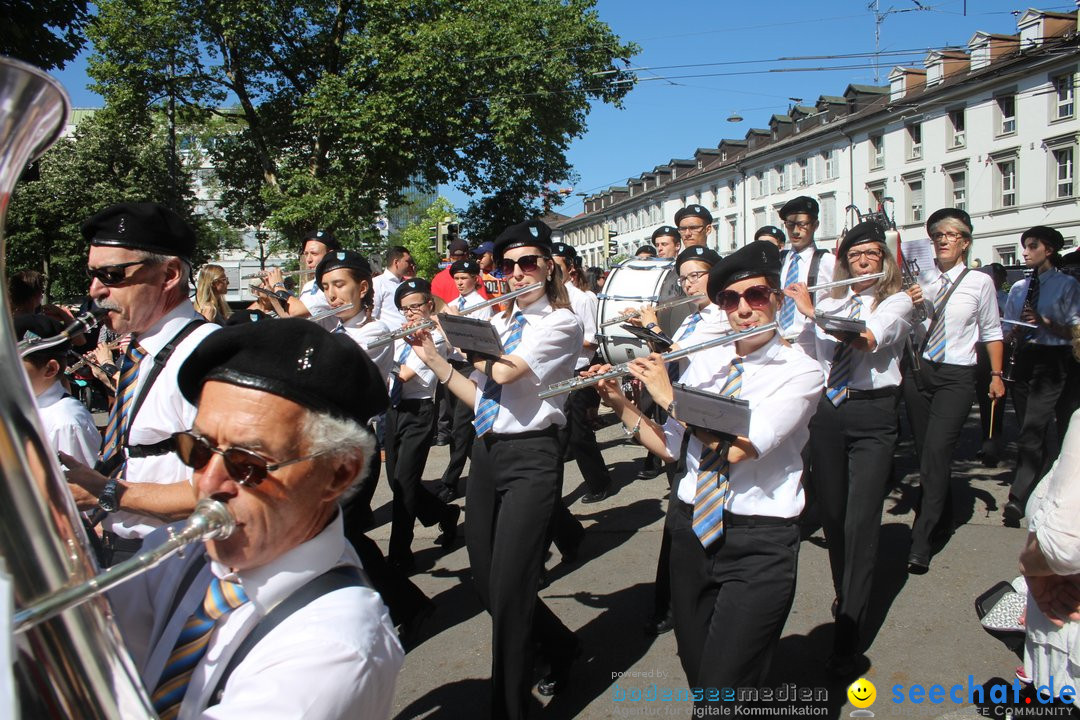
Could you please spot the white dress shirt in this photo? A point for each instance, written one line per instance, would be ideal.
(362, 330)
(550, 345)
(713, 323)
(315, 301)
(971, 315)
(163, 412)
(69, 426)
(422, 386)
(385, 284)
(473, 299)
(337, 657)
(1059, 300)
(584, 306)
(801, 331)
(890, 323)
(782, 385)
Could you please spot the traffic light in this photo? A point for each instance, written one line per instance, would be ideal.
(612, 244)
(452, 232)
(433, 238)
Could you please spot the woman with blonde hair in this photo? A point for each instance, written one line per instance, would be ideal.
(210, 294)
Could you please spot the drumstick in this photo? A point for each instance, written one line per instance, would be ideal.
(993, 406)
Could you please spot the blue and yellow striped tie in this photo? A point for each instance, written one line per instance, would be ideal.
(840, 373)
(787, 311)
(461, 303)
(935, 346)
(221, 598)
(488, 409)
(712, 480)
(125, 395)
(689, 329)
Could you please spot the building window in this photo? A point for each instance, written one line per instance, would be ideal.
(915, 200)
(759, 218)
(1006, 107)
(733, 228)
(830, 165)
(958, 189)
(781, 179)
(1064, 96)
(876, 195)
(1063, 162)
(731, 192)
(1005, 254)
(1006, 173)
(803, 176)
(715, 196)
(914, 140)
(957, 129)
(877, 151)
(828, 216)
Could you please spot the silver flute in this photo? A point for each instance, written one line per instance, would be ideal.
(845, 283)
(662, 306)
(331, 312)
(622, 369)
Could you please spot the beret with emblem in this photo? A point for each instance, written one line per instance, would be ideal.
(337, 259)
(1048, 235)
(702, 254)
(801, 204)
(34, 327)
(864, 232)
(465, 266)
(146, 226)
(666, 231)
(697, 211)
(944, 213)
(241, 317)
(771, 231)
(292, 358)
(531, 233)
(647, 249)
(410, 286)
(759, 258)
(561, 249)
(323, 236)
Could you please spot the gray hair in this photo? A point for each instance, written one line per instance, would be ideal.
(338, 438)
(185, 269)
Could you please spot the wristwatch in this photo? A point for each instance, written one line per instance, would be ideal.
(109, 500)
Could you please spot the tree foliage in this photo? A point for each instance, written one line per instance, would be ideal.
(415, 237)
(338, 106)
(45, 33)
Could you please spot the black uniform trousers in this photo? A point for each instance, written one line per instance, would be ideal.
(982, 382)
(852, 447)
(365, 490)
(578, 440)
(462, 434)
(408, 441)
(1042, 374)
(508, 506)
(730, 601)
(938, 398)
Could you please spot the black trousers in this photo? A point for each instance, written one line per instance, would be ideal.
(462, 435)
(1042, 375)
(982, 382)
(403, 598)
(938, 399)
(730, 602)
(579, 439)
(852, 447)
(408, 441)
(366, 489)
(509, 501)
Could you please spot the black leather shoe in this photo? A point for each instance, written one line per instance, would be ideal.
(445, 493)
(1013, 514)
(659, 626)
(555, 681)
(847, 667)
(648, 472)
(449, 526)
(442, 440)
(917, 564)
(590, 498)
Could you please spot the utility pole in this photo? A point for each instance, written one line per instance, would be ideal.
(879, 17)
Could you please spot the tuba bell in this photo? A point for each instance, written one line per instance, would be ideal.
(74, 665)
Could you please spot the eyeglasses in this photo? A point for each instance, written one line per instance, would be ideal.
(951, 236)
(415, 308)
(690, 228)
(244, 466)
(757, 297)
(871, 254)
(692, 276)
(792, 224)
(527, 263)
(112, 275)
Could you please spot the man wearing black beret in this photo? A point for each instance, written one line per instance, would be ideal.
(667, 241)
(804, 263)
(773, 234)
(1044, 365)
(279, 437)
(311, 301)
(695, 225)
(140, 272)
(645, 252)
(442, 285)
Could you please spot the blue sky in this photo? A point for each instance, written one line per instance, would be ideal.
(674, 110)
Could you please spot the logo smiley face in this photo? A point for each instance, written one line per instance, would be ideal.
(862, 693)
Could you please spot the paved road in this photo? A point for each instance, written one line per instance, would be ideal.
(928, 630)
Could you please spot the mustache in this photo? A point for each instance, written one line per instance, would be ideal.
(107, 305)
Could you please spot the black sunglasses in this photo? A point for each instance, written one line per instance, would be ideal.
(244, 466)
(527, 263)
(111, 275)
(757, 297)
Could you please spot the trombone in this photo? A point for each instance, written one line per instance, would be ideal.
(630, 315)
(622, 369)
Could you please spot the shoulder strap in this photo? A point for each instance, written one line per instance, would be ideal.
(815, 263)
(939, 310)
(333, 579)
(159, 364)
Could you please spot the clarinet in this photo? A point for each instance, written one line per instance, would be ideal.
(909, 273)
(1022, 338)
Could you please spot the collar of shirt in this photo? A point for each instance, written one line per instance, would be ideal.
(165, 329)
(953, 273)
(358, 320)
(50, 395)
(534, 310)
(807, 253)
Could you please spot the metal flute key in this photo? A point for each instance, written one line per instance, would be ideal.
(662, 306)
(331, 312)
(844, 283)
(621, 369)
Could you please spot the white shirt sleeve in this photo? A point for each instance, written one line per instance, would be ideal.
(891, 321)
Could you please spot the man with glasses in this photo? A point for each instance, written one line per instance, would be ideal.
(279, 619)
(695, 226)
(140, 272)
(399, 265)
(805, 263)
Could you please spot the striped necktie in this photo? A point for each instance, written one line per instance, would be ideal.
(488, 409)
(689, 329)
(461, 303)
(397, 388)
(840, 373)
(787, 312)
(712, 479)
(935, 346)
(221, 598)
(125, 395)
(340, 327)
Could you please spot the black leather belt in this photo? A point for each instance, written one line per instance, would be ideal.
(114, 542)
(164, 447)
(733, 520)
(874, 394)
(549, 431)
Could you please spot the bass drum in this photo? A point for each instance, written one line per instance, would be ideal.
(630, 285)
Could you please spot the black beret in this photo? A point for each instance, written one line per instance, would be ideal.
(697, 211)
(561, 249)
(465, 266)
(771, 231)
(760, 257)
(864, 232)
(666, 230)
(292, 358)
(323, 236)
(458, 245)
(240, 317)
(956, 213)
(648, 249)
(801, 204)
(342, 259)
(531, 233)
(39, 327)
(701, 254)
(410, 286)
(147, 226)
(1048, 235)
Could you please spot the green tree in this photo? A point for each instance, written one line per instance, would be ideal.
(340, 105)
(416, 236)
(45, 33)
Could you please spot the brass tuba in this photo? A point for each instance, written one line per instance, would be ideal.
(74, 665)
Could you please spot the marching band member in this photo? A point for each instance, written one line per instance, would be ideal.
(513, 482)
(399, 265)
(773, 234)
(312, 301)
(695, 225)
(853, 433)
(961, 310)
(734, 517)
(668, 242)
(1051, 300)
(804, 262)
